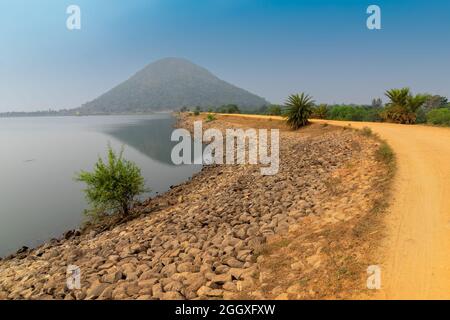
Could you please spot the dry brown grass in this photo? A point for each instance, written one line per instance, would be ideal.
(346, 248)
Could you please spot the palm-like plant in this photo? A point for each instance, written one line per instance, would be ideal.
(299, 108)
(417, 101)
(398, 97)
(403, 105)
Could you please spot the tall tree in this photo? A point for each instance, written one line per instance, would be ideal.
(377, 103)
(435, 101)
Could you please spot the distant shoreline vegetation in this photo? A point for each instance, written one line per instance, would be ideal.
(69, 113)
(17, 114)
(403, 107)
(419, 109)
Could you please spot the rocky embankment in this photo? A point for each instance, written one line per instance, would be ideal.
(205, 238)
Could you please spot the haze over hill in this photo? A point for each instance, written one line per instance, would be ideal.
(170, 84)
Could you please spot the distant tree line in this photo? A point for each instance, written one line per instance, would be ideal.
(44, 113)
(401, 107)
(228, 108)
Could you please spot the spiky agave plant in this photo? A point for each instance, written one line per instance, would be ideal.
(299, 108)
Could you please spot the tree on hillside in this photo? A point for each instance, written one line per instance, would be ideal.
(299, 108)
(232, 108)
(403, 106)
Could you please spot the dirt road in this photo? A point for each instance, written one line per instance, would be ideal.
(417, 250)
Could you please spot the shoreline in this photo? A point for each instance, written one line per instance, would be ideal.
(176, 263)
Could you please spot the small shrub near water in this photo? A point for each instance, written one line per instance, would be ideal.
(113, 185)
(197, 111)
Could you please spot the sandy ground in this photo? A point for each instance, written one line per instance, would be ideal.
(416, 252)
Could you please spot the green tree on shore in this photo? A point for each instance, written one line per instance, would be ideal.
(113, 185)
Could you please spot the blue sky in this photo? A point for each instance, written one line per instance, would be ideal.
(270, 47)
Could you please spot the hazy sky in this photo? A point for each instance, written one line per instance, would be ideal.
(271, 48)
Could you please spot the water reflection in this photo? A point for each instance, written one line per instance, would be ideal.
(40, 156)
(151, 137)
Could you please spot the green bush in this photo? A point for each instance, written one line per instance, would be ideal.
(421, 115)
(210, 117)
(229, 108)
(439, 116)
(113, 185)
(274, 110)
(197, 111)
(348, 113)
(353, 113)
(373, 114)
(320, 112)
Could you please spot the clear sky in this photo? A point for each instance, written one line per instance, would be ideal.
(270, 47)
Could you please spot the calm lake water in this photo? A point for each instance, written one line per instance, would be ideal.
(39, 198)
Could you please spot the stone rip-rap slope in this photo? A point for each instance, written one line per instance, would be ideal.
(202, 238)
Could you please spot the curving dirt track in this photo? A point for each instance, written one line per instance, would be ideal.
(416, 262)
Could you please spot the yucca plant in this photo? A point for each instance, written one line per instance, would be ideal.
(299, 108)
(416, 102)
